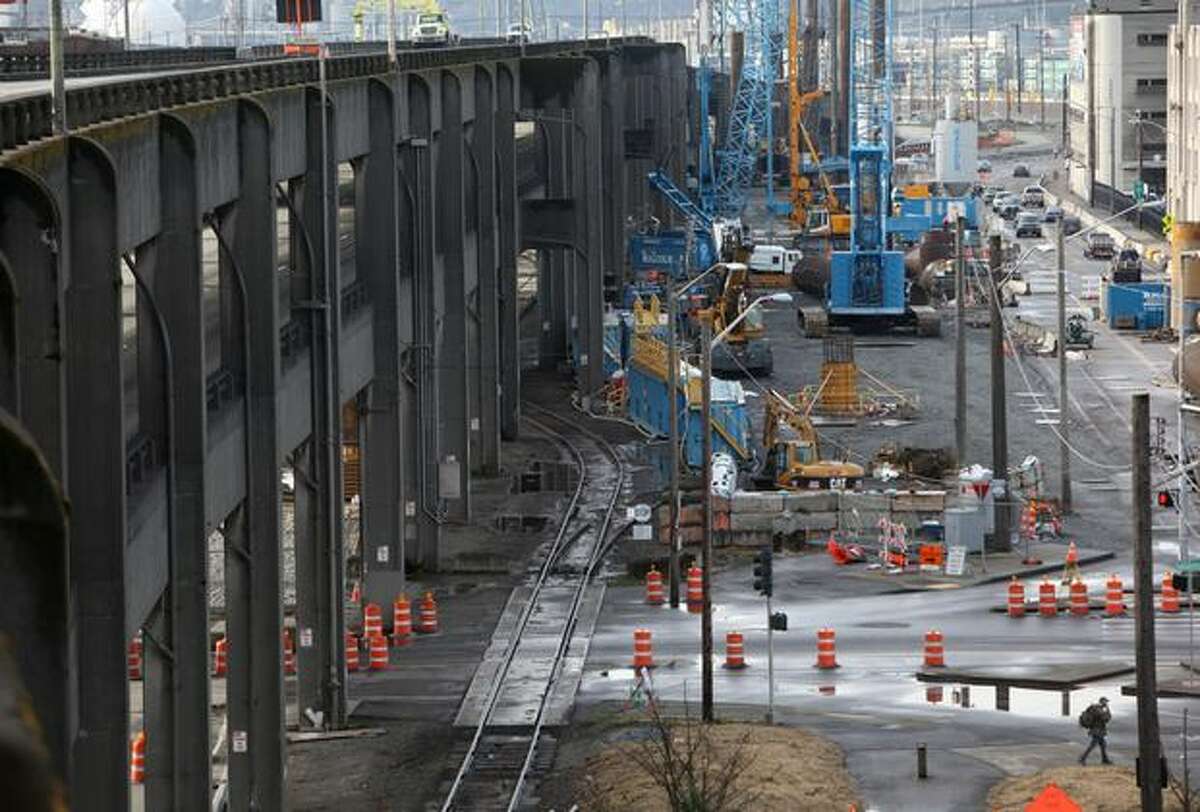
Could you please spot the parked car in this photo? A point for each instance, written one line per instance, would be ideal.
(1028, 225)
(1005, 198)
(517, 33)
(1052, 214)
(1034, 197)
(1071, 224)
(984, 165)
(1020, 171)
(1099, 245)
(1127, 266)
(1009, 211)
(990, 192)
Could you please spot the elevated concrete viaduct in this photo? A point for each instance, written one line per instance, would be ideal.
(300, 241)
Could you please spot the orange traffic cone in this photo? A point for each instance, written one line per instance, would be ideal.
(402, 624)
(1114, 604)
(137, 759)
(351, 652)
(654, 587)
(826, 649)
(379, 653)
(1016, 598)
(221, 657)
(735, 650)
(643, 654)
(935, 652)
(428, 622)
(695, 590)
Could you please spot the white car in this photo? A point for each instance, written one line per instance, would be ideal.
(518, 32)
(432, 28)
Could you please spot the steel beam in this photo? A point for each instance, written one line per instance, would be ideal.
(254, 615)
(96, 479)
(487, 392)
(383, 497)
(506, 209)
(450, 300)
(417, 331)
(176, 683)
(319, 567)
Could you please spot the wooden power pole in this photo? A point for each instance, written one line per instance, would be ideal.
(999, 397)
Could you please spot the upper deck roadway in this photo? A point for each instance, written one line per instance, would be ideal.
(219, 192)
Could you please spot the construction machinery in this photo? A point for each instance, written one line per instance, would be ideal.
(792, 452)
(715, 238)
(745, 350)
(867, 289)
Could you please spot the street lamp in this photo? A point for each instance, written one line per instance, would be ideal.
(708, 342)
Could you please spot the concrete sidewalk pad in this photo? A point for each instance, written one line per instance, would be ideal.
(1000, 567)
(1054, 676)
(1173, 681)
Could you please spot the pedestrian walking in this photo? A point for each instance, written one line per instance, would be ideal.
(1095, 719)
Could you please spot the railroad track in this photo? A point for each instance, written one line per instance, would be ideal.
(501, 757)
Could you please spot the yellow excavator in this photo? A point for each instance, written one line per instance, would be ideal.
(793, 452)
(745, 349)
(815, 216)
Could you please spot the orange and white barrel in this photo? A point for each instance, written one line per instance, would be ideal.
(1079, 598)
(735, 650)
(643, 653)
(378, 648)
(134, 657)
(1170, 595)
(372, 621)
(695, 590)
(654, 587)
(137, 759)
(826, 649)
(221, 657)
(1016, 598)
(1047, 599)
(935, 651)
(427, 623)
(402, 625)
(352, 663)
(1114, 597)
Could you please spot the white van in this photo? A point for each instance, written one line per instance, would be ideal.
(774, 259)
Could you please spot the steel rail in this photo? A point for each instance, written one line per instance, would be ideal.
(523, 620)
(564, 645)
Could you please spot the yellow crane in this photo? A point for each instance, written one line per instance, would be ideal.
(793, 452)
(807, 211)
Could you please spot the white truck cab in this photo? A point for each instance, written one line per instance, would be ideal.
(432, 28)
(774, 259)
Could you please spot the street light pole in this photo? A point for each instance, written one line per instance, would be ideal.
(1064, 450)
(960, 346)
(706, 642)
(673, 397)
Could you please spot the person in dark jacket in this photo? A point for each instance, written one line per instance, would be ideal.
(1096, 719)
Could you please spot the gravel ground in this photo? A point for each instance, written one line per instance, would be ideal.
(1096, 789)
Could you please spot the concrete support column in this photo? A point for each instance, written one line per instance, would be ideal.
(176, 682)
(95, 479)
(420, 440)
(554, 342)
(587, 168)
(254, 616)
(383, 498)
(487, 393)
(506, 211)
(319, 559)
(450, 351)
(612, 173)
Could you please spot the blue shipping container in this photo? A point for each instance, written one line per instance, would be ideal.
(1138, 305)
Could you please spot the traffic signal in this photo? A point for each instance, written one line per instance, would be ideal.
(763, 579)
(1166, 499)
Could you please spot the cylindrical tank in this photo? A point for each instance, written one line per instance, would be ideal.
(811, 273)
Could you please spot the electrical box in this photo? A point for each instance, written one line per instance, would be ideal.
(965, 528)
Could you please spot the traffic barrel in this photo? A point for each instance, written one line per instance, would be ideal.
(137, 759)
(378, 648)
(1016, 598)
(134, 657)
(643, 654)
(372, 621)
(428, 622)
(289, 653)
(221, 657)
(1079, 598)
(1170, 595)
(826, 649)
(735, 650)
(402, 625)
(1047, 599)
(935, 651)
(654, 587)
(351, 652)
(1114, 604)
(695, 590)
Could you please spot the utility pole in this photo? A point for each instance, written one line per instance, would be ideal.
(1064, 449)
(1020, 68)
(128, 33)
(673, 396)
(932, 102)
(974, 62)
(58, 87)
(1112, 159)
(1149, 763)
(1042, 77)
(1007, 81)
(1141, 188)
(391, 33)
(960, 346)
(999, 397)
(706, 557)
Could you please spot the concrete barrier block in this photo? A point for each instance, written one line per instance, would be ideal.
(757, 502)
(811, 501)
(755, 539)
(792, 523)
(753, 522)
(919, 501)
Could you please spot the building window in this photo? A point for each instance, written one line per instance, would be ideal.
(1152, 39)
(1152, 86)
